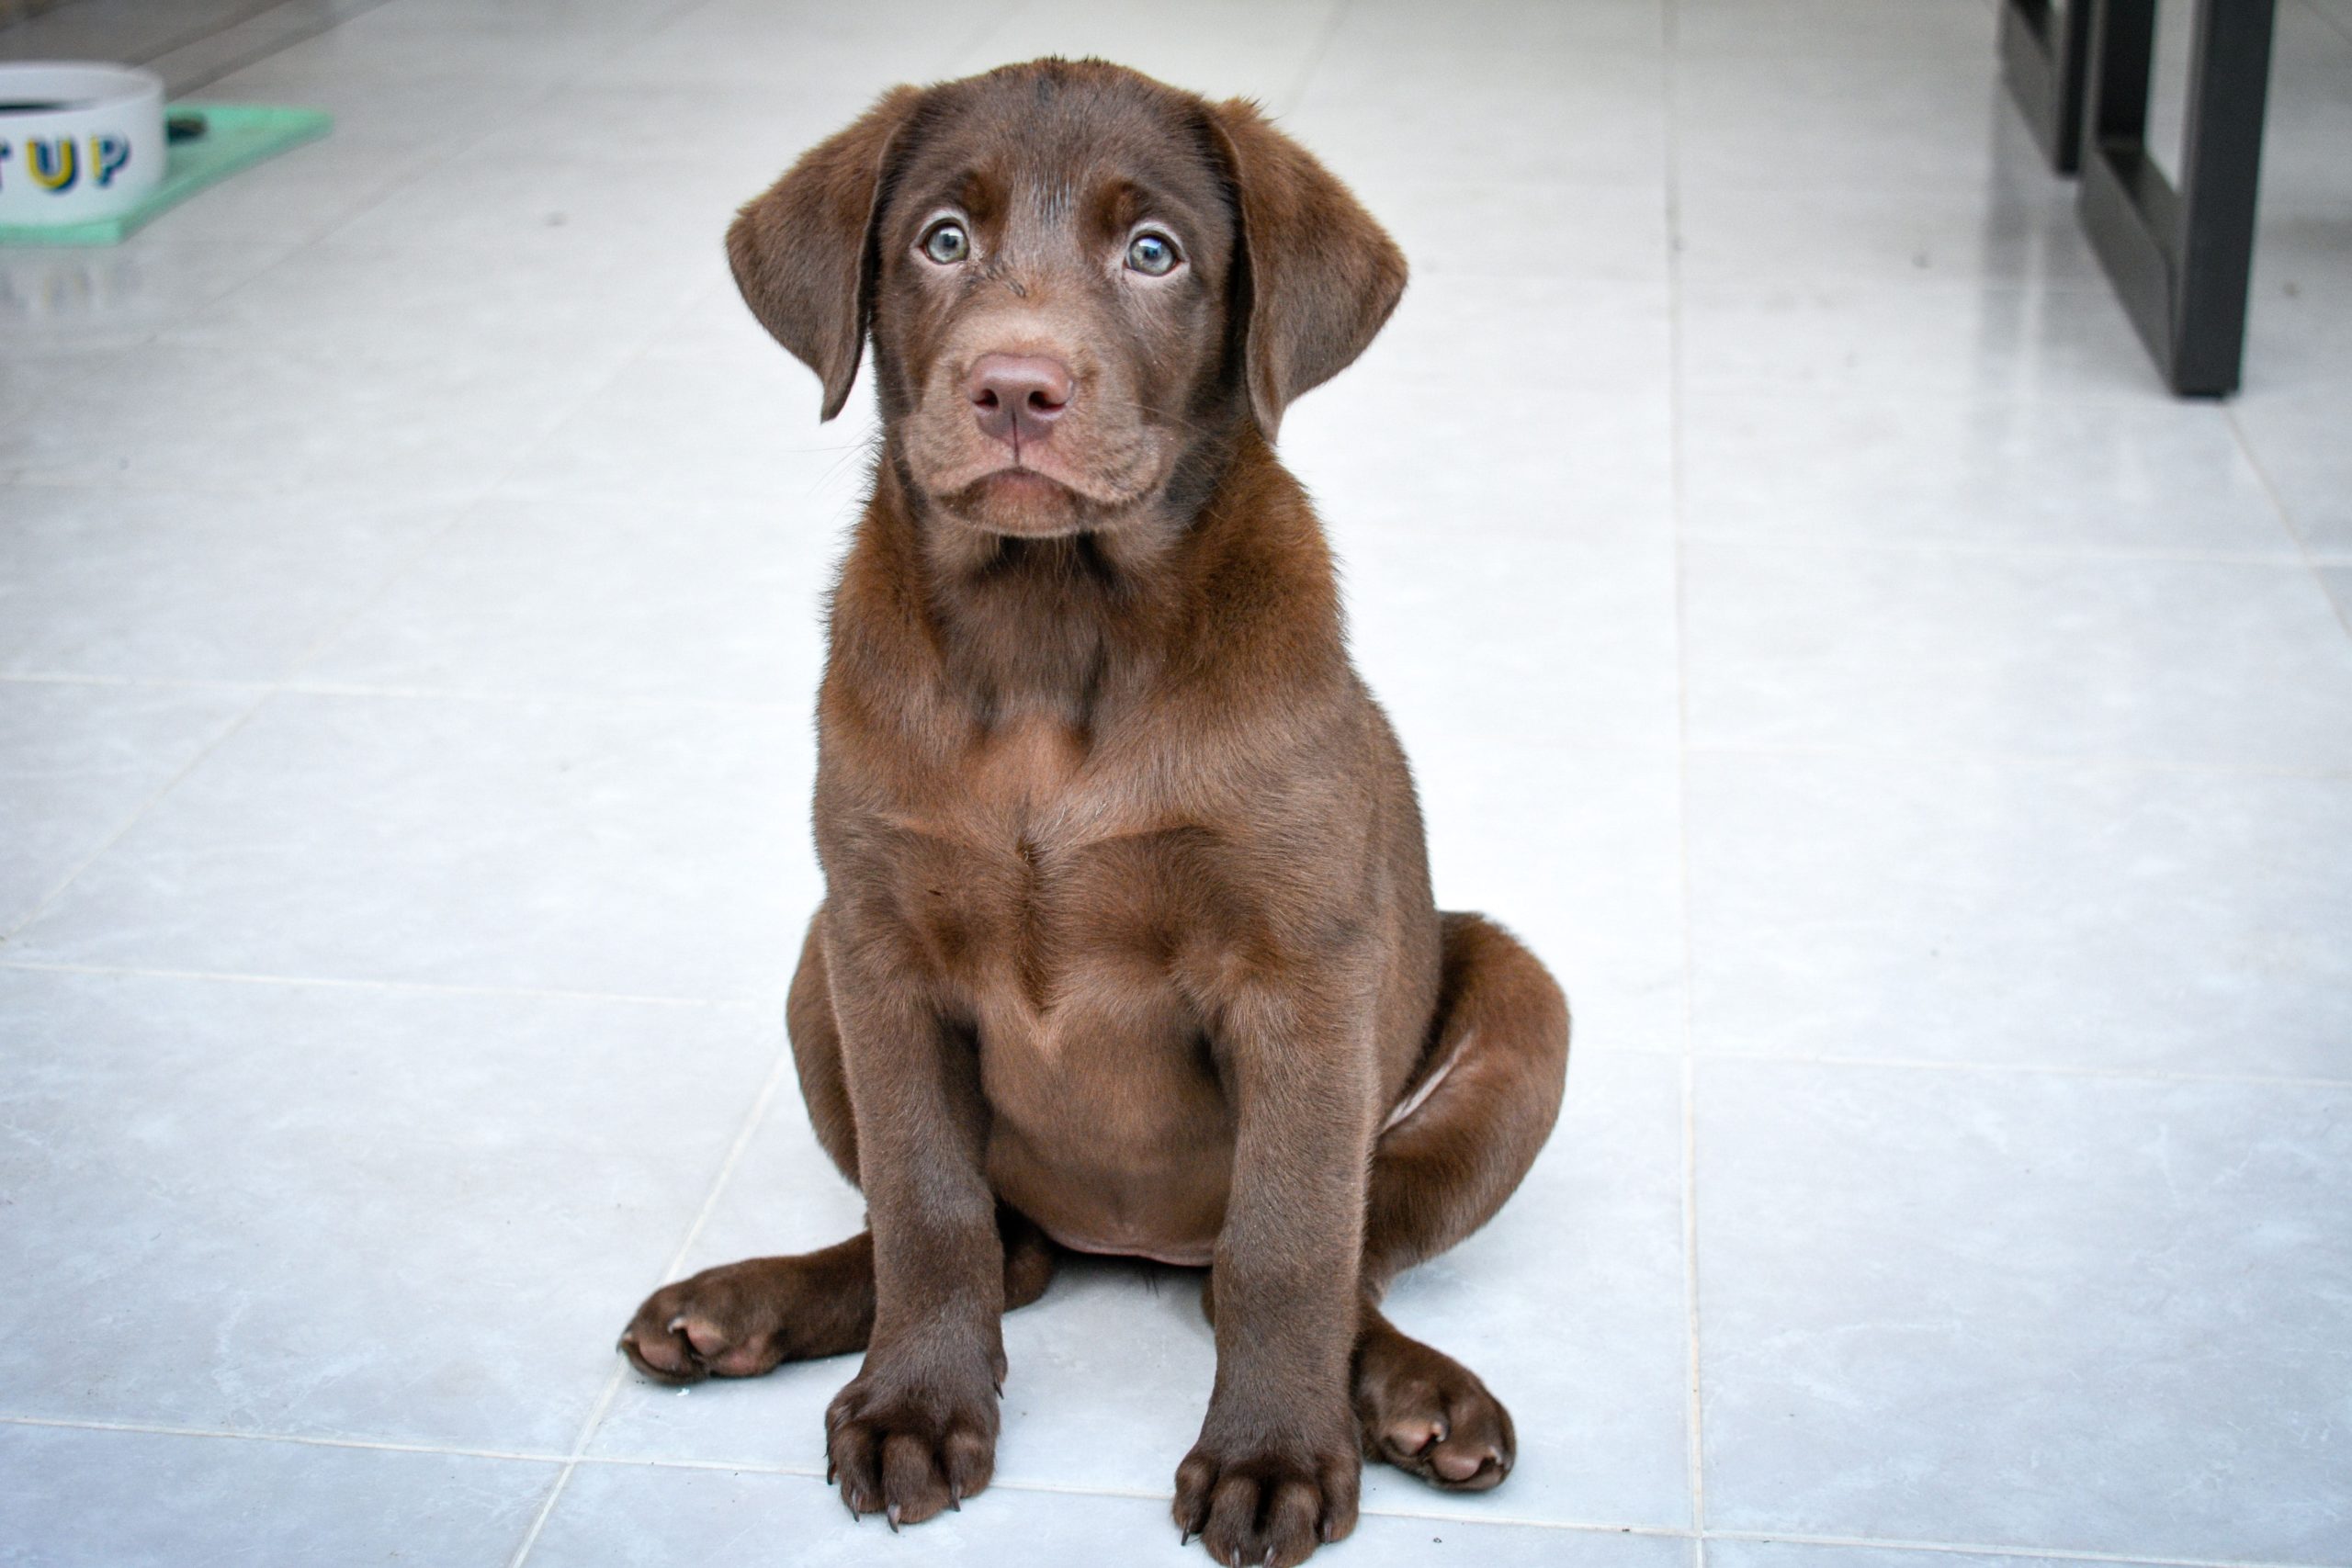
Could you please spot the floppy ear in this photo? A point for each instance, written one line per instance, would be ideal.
(802, 253)
(1322, 275)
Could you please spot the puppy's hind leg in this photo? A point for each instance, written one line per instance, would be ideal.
(1488, 1093)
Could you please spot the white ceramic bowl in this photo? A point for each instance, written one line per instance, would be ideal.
(78, 141)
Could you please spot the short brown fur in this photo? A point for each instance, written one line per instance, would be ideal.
(1128, 942)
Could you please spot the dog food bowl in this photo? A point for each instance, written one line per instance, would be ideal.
(79, 142)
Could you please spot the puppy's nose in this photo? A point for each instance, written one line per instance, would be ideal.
(1018, 396)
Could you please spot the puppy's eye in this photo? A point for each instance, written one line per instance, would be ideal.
(1152, 254)
(945, 243)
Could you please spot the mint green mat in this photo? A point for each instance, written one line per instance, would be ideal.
(235, 135)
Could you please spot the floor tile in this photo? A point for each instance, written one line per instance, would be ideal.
(1732, 233)
(858, 50)
(2063, 473)
(1590, 359)
(666, 428)
(1735, 1552)
(382, 304)
(1568, 1303)
(2095, 1315)
(2338, 583)
(1596, 130)
(1579, 850)
(1883, 340)
(1517, 231)
(1826, 118)
(1458, 660)
(1192, 50)
(609, 847)
(574, 596)
(641, 1516)
(2292, 437)
(163, 417)
(1757, 30)
(78, 300)
(1495, 39)
(2211, 663)
(77, 762)
(346, 1211)
(303, 193)
(2095, 918)
(532, 209)
(1388, 446)
(190, 586)
(84, 1500)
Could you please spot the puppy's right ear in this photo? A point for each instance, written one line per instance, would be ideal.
(803, 252)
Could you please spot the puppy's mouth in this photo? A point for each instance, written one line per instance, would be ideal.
(1013, 496)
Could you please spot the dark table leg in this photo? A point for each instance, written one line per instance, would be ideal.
(2179, 258)
(2042, 54)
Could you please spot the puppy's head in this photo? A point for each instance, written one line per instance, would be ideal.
(1073, 276)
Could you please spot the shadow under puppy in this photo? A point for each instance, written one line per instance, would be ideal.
(1127, 943)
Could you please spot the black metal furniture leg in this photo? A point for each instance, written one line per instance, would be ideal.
(2180, 258)
(2043, 48)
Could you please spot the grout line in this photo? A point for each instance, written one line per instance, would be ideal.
(602, 701)
(137, 814)
(2327, 18)
(1956, 756)
(2058, 1553)
(380, 1445)
(966, 55)
(753, 1119)
(179, 87)
(2025, 1069)
(2285, 517)
(607, 701)
(331, 982)
(1296, 93)
(1049, 1488)
(1859, 543)
(1694, 1408)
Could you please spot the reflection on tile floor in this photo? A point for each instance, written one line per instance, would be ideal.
(1924, 749)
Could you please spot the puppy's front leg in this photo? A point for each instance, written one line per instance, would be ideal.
(1276, 1469)
(915, 1431)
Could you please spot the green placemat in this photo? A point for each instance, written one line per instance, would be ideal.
(235, 135)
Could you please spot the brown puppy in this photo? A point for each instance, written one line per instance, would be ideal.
(1127, 943)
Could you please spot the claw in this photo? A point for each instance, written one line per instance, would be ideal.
(849, 1501)
(1187, 1536)
(1269, 1557)
(890, 1517)
(831, 1469)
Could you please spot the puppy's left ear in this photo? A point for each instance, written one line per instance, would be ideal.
(1320, 275)
(802, 253)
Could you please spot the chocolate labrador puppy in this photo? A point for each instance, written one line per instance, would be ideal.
(1127, 943)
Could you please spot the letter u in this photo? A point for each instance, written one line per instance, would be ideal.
(53, 165)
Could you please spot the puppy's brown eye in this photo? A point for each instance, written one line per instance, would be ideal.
(1152, 254)
(945, 243)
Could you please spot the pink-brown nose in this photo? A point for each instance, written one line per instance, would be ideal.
(1018, 396)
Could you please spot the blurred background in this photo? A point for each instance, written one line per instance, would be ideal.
(1921, 743)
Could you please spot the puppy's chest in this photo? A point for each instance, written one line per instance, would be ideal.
(1033, 867)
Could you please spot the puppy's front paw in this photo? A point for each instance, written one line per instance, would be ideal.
(1271, 1500)
(905, 1449)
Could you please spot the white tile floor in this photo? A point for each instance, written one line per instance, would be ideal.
(1924, 749)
